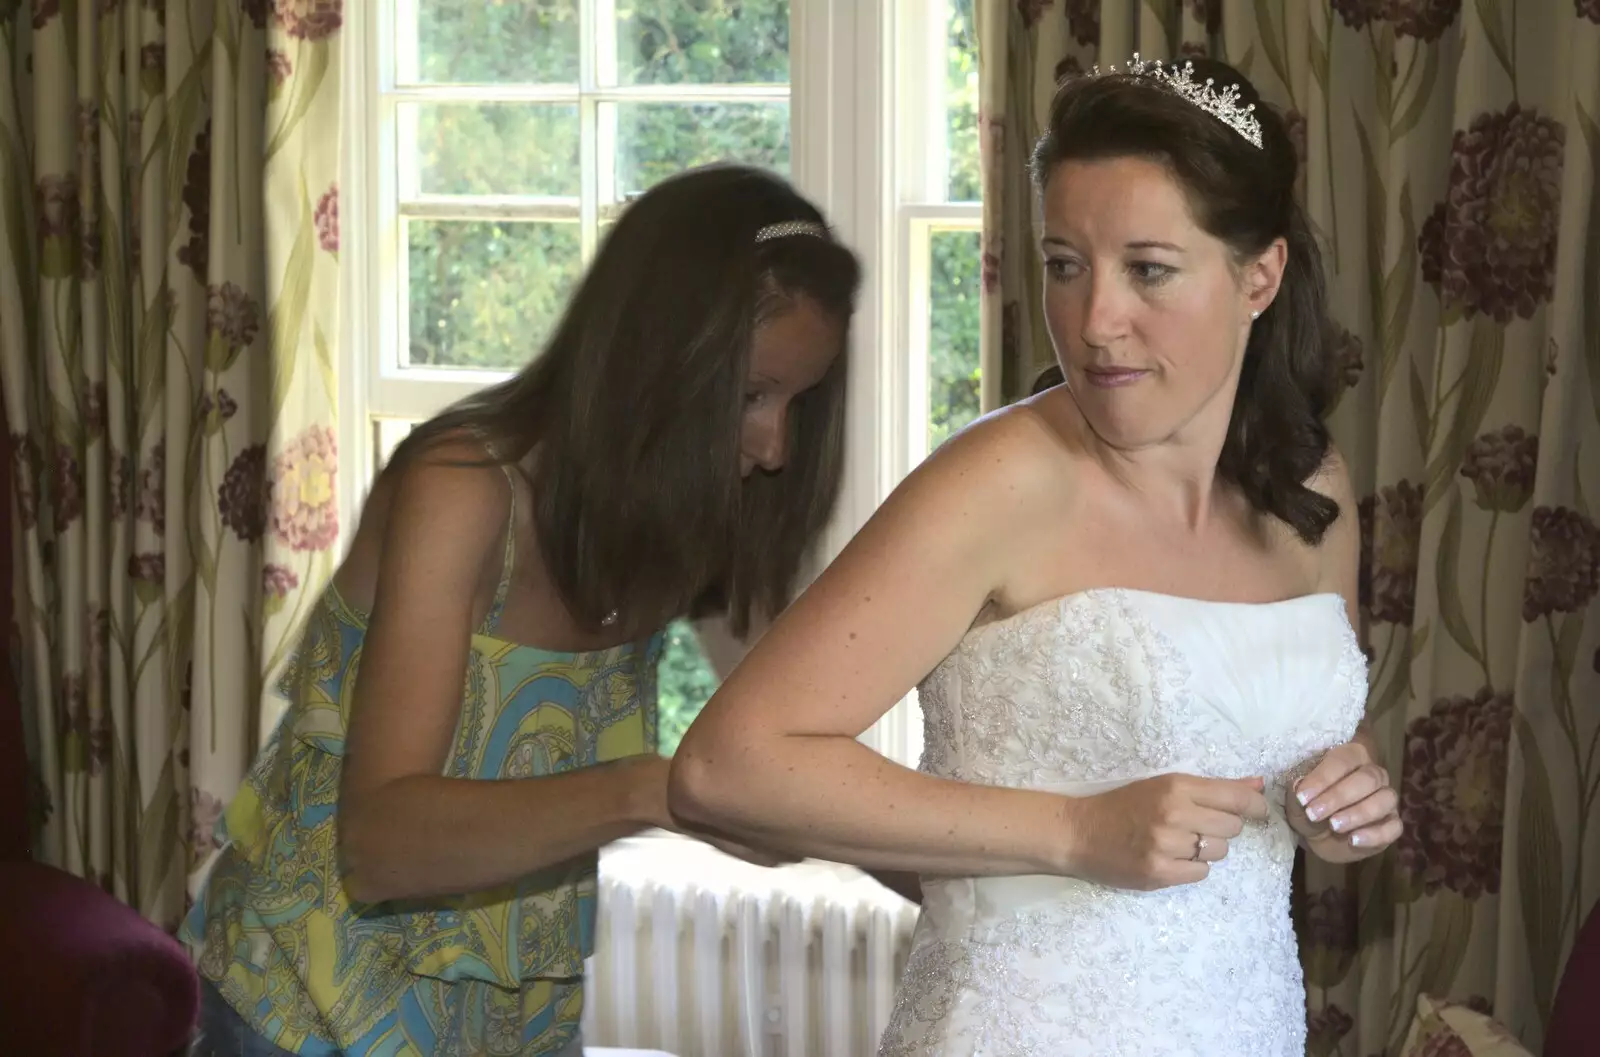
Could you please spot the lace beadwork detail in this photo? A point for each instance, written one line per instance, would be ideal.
(1091, 691)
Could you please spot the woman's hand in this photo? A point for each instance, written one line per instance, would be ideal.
(649, 775)
(1345, 809)
(1159, 832)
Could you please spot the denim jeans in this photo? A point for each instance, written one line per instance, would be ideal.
(224, 1033)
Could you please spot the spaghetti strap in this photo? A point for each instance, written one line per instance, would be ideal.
(508, 561)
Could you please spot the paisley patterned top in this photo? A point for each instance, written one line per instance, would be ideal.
(497, 972)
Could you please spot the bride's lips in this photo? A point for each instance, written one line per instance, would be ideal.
(1113, 377)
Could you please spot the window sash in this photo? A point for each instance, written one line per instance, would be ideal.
(598, 198)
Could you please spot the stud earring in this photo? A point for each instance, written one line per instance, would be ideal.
(1255, 315)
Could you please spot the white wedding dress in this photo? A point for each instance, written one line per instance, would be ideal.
(1081, 695)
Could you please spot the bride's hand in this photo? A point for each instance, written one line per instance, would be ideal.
(1159, 832)
(1345, 809)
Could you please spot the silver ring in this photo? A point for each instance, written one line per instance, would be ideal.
(1200, 844)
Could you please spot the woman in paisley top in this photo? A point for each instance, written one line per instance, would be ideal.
(410, 866)
(1130, 602)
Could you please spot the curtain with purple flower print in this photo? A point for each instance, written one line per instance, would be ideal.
(1452, 168)
(168, 307)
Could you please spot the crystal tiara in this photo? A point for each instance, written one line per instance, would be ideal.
(791, 227)
(1223, 105)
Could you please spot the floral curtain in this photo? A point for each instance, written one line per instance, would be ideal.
(168, 306)
(1451, 156)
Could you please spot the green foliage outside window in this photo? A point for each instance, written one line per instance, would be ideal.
(685, 683)
(956, 257)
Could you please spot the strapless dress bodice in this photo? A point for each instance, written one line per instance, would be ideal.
(1083, 694)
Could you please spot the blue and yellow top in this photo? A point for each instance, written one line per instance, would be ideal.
(497, 972)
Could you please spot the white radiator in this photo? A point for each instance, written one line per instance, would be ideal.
(704, 956)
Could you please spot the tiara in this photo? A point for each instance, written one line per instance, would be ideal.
(791, 227)
(1223, 105)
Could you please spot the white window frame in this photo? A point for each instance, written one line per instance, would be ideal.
(867, 135)
(916, 207)
(921, 205)
(382, 119)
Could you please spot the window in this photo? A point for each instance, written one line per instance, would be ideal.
(493, 143)
(686, 682)
(940, 219)
(509, 136)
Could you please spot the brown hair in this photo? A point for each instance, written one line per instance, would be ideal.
(635, 408)
(1049, 378)
(1243, 195)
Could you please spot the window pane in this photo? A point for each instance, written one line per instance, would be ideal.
(685, 682)
(955, 272)
(656, 140)
(961, 104)
(496, 148)
(487, 293)
(703, 41)
(503, 42)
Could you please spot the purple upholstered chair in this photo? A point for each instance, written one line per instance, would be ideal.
(81, 974)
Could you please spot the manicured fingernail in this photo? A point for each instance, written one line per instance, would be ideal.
(1315, 813)
(1338, 823)
(1305, 796)
(1358, 840)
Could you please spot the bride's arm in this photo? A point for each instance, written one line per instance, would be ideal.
(723, 651)
(1347, 808)
(774, 756)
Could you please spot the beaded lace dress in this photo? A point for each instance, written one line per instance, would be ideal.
(1081, 695)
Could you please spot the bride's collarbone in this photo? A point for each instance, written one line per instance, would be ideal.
(1075, 567)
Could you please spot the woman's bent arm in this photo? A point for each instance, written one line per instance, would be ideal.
(423, 835)
(404, 831)
(723, 650)
(774, 755)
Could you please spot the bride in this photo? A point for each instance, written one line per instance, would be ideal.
(1129, 600)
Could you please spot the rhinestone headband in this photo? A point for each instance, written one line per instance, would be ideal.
(1223, 105)
(789, 228)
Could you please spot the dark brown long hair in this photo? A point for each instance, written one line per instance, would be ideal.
(634, 409)
(1243, 195)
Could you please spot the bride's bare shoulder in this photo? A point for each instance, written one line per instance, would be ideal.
(979, 495)
(1027, 444)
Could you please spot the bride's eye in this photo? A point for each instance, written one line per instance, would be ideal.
(1152, 273)
(1061, 269)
